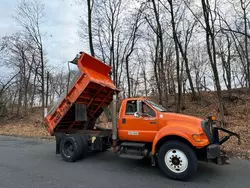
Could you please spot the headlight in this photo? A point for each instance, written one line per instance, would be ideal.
(197, 137)
(213, 118)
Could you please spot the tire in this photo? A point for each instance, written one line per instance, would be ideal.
(177, 160)
(71, 148)
(84, 140)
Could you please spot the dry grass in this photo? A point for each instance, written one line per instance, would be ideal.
(26, 130)
(30, 126)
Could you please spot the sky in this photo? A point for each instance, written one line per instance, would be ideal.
(61, 23)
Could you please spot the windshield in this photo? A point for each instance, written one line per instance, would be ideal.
(157, 106)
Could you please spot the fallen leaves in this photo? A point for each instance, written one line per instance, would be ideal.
(24, 129)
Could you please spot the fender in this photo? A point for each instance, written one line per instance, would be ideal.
(185, 132)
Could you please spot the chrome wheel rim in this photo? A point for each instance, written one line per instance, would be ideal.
(176, 160)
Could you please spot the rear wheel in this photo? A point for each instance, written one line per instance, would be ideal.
(84, 140)
(71, 148)
(177, 160)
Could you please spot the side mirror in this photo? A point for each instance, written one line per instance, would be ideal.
(138, 106)
(137, 114)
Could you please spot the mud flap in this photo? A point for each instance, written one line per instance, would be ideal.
(59, 137)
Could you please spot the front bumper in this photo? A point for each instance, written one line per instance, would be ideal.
(215, 155)
(213, 150)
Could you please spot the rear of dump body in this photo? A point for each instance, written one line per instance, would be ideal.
(92, 88)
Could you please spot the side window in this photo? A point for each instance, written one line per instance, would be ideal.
(131, 107)
(147, 111)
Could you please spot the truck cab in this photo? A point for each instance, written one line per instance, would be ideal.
(141, 119)
(177, 140)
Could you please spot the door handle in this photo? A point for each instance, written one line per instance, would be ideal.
(152, 122)
(123, 121)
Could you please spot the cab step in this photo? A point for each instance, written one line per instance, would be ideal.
(130, 156)
(133, 144)
(133, 150)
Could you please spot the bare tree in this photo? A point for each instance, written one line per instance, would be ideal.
(142, 62)
(199, 62)
(244, 4)
(161, 45)
(224, 52)
(183, 46)
(106, 25)
(159, 53)
(30, 14)
(175, 37)
(209, 19)
(19, 51)
(131, 42)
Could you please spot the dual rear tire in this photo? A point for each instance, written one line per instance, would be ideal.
(73, 147)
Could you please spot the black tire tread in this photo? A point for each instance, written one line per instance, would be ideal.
(77, 142)
(189, 152)
(84, 140)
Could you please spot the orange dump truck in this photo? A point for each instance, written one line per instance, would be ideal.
(140, 128)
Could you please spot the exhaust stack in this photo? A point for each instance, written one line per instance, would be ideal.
(114, 121)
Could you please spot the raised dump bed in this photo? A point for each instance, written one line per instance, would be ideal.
(90, 91)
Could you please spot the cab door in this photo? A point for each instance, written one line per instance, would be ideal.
(137, 125)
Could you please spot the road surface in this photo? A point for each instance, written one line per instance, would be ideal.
(31, 163)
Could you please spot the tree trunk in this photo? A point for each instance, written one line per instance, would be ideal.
(162, 78)
(42, 82)
(20, 96)
(243, 6)
(145, 83)
(156, 72)
(91, 47)
(205, 84)
(128, 78)
(27, 83)
(226, 65)
(34, 90)
(13, 103)
(178, 106)
(210, 40)
(184, 56)
(47, 90)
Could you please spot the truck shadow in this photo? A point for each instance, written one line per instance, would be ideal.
(206, 171)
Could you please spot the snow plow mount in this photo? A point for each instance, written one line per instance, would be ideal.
(215, 130)
(214, 152)
(230, 133)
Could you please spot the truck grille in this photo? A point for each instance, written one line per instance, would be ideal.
(207, 128)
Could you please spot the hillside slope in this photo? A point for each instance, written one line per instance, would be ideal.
(237, 119)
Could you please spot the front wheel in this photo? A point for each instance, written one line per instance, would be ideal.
(177, 160)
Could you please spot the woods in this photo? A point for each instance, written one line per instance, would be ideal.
(160, 48)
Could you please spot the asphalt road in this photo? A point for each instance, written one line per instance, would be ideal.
(30, 163)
